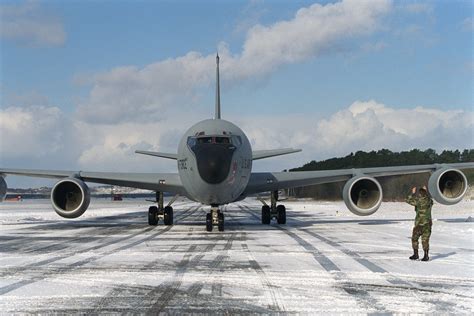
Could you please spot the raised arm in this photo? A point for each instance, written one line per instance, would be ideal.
(411, 198)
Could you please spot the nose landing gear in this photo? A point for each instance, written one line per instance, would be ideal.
(215, 217)
(273, 210)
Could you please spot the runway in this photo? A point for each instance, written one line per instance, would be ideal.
(324, 260)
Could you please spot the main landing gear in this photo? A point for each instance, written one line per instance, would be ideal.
(157, 212)
(273, 211)
(215, 218)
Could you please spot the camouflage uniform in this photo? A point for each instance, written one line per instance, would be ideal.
(423, 221)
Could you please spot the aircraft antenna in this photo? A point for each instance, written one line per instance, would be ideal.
(218, 91)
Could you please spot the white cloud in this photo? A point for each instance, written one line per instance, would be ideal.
(28, 23)
(363, 125)
(112, 147)
(371, 125)
(313, 31)
(127, 94)
(34, 131)
(45, 133)
(418, 8)
(133, 94)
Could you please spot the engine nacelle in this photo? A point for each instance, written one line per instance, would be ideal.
(362, 195)
(70, 197)
(3, 188)
(447, 186)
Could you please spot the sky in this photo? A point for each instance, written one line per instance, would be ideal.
(83, 84)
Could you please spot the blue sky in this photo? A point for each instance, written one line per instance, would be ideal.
(70, 56)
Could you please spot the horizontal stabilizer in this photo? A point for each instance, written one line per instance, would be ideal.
(260, 154)
(157, 154)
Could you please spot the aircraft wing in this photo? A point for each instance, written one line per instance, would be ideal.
(163, 182)
(272, 181)
(261, 154)
(157, 154)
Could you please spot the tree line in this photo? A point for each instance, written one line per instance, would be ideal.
(394, 188)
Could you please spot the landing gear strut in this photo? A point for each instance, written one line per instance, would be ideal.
(157, 212)
(273, 210)
(215, 217)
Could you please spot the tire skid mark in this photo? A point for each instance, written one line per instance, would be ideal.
(189, 212)
(55, 242)
(46, 274)
(75, 238)
(61, 257)
(118, 292)
(49, 273)
(363, 297)
(161, 296)
(397, 283)
(195, 288)
(169, 290)
(355, 288)
(218, 264)
(277, 304)
(113, 231)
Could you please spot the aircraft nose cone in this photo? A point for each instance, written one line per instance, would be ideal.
(213, 161)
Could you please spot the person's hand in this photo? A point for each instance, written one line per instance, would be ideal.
(413, 190)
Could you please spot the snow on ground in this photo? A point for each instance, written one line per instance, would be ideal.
(324, 260)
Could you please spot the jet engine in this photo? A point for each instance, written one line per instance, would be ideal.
(70, 197)
(3, 188)
(362, 195)
(447, 186)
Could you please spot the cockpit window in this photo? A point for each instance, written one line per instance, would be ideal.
(236, 140)
(193, 140)
(204, 140)
(222, 140)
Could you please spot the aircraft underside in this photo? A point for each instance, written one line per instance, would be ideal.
(216, 217)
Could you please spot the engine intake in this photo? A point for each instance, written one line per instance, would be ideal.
(447, 186)
(70, 197)
(362, 195)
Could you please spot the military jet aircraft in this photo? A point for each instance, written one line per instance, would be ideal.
(214, 161)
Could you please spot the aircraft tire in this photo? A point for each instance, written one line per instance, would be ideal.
(220, 225)
(281, 211)
(209, 222)
(266, 216)
(168, 215)
(152, 215)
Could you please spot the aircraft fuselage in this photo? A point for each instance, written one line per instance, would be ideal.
(214, 162)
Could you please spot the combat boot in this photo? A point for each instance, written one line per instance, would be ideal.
(425, 257)
(415, 255)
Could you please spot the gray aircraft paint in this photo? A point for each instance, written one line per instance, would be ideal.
(236, 179)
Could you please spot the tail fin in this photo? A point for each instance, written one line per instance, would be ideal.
(218, 91)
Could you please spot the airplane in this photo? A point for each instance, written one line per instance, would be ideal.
(214, 162)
